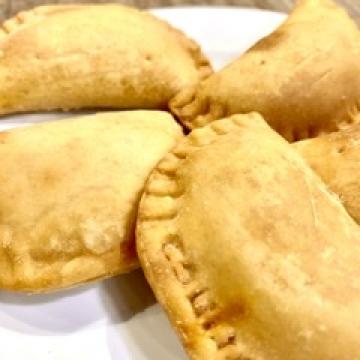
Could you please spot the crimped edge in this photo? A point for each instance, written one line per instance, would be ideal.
(195, 108)
(201, 62)
(160, 249)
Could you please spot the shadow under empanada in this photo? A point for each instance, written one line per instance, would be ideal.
(126, 295)
(49, 314)
(137, 319)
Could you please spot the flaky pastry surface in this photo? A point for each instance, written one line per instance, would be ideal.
(69, 196)
(93, 56)
(304, 78)
(246, 249)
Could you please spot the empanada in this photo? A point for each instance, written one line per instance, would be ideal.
(93, 56)
(304, 78)
(69, 196)
(248, 252)
(336, 158)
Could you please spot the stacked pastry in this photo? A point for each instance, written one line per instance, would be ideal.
(70, 189)
(248, 236)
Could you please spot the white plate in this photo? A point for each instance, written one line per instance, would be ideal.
(118, 319)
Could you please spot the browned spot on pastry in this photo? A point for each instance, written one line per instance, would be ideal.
(49, 177)
(224, 336)
(128, 249)
(208, 324)
(227, 315)
(312, 131)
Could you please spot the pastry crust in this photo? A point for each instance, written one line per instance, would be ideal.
(304, 78)
(69, 196)
(92, 56)
(336, 159)
(247, 251)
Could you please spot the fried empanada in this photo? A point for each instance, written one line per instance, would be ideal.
(304, 78)
(93, 56)
(69, 196)
(247, 250)
(336, 158)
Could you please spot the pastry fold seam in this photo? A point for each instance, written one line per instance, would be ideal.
(161, 206)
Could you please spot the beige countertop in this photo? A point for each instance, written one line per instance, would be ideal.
(10, 7)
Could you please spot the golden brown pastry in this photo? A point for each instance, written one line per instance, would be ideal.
(248, 252)
(88, 56)
(336, 158)
(69, 196)
(304, 77)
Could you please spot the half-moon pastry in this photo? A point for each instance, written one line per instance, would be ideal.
(93, 56)
(304, 78)
(336, 158)
(248, 252)
(69, 196)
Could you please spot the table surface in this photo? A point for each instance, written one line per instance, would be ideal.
(10, 7)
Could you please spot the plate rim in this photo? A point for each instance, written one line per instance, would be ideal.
(211, 8)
